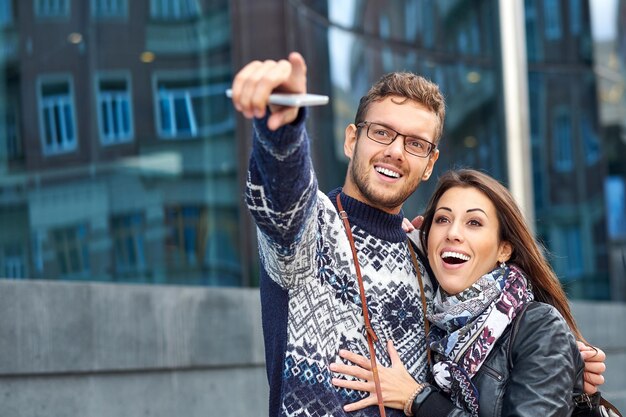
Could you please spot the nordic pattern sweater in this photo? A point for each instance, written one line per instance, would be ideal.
(309, 290)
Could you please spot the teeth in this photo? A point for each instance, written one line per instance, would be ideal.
(387, 172)
(457, 255)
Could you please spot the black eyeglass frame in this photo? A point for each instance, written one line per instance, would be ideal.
(367, 133)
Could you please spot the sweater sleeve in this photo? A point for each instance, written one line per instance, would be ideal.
(281, 193)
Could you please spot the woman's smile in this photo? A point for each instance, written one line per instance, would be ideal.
(463, 242)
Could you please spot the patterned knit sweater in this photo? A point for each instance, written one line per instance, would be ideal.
(309, 290)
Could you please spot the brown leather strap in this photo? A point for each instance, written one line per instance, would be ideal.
(371, 335)
(606, 404)
(423, 297)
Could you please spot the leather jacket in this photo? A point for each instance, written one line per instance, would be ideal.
(536, 375)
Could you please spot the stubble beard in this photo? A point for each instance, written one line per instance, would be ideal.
(359, 173)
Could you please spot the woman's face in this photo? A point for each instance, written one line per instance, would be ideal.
(463, 241)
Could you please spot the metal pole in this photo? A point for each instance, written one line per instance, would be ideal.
(516, 114)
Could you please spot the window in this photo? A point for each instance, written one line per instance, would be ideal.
(191, 108)
(57, 117)
(571, 261)
(591, 143)
(15, 150)
(109, 8)
(52, 8)
(114, 111)
(536, 111)
(532, 38)
(204, 238)
(615, 195)
(412, 19)
(6, 12)
(552, 15)
(128, 243)
(384, 27)
(575, 16)
(186, 225)
(562, 141)
(70, 245)
(174, 9)
(428, 23)
(14, 265)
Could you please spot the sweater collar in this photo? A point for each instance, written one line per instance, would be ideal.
(376, 222)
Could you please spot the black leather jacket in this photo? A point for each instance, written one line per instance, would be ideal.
(535, 376)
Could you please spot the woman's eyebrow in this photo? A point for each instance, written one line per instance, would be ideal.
(476, 209)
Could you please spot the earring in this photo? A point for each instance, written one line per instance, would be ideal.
(502, 264)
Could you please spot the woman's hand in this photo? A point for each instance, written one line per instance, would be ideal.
(410, 225)
(396, 383)
(594, 367)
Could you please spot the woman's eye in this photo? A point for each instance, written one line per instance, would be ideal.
(474, 223)
(441, 219)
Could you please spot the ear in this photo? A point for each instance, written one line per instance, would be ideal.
(431, 164)
(505, 251)
(349, 141)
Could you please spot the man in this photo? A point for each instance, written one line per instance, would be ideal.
(310, 297)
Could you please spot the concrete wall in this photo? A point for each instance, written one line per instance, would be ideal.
(89, 349)
(105, 350)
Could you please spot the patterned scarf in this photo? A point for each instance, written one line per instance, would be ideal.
(466, 326)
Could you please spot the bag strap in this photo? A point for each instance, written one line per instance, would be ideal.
(423, 297)
(607, 404)
(371, 335)
(514, 330)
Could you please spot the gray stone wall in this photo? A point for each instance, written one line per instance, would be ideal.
(105, 350)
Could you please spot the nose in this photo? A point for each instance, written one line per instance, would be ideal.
(396, 148)
(454, 232)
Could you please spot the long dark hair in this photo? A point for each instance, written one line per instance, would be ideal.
(514, 229)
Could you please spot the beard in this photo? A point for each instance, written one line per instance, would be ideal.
(379, 197)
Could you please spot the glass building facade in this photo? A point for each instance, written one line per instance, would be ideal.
(122, 160)
(118, 161)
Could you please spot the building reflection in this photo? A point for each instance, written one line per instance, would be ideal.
(456, 44)
(119, 161)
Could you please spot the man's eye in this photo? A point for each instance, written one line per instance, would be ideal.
(382, 133)
(416, 143)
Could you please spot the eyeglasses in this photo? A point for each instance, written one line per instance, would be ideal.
(386, 135)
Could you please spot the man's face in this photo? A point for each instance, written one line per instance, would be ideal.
(384, 176)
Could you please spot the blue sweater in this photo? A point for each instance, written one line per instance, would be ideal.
(309, 290)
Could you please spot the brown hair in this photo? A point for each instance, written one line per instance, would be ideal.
(527, 254)
(407, 86)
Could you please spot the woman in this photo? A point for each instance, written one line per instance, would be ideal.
(494, 351)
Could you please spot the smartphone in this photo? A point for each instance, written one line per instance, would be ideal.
(294, 100)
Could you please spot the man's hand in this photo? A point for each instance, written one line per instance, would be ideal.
(594, 367)
(396, 383)
(255, 82)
